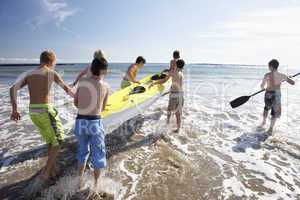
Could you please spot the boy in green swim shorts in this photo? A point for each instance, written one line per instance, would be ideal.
(132, 71)
(43, 115)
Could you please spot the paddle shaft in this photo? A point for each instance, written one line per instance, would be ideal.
(265, 89)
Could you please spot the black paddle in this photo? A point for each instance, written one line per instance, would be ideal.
(243, 99)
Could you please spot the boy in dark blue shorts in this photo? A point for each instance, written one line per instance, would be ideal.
(272, 83)
(90, 99)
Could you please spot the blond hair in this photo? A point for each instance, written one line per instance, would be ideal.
(98, 54)
(47, 57)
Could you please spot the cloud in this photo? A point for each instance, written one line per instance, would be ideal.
(279, 22)
(259, 24)
(256, 36)
(56, 11)
(59, 10)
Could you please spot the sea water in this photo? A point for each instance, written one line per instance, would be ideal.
(219, 150)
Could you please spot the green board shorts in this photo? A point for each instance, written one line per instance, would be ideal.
(45, 117)
(125, 83)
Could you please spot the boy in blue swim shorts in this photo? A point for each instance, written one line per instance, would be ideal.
(90, 99)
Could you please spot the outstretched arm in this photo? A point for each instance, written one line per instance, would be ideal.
(290, 81)
(15, 115)
(58, 80)
(80, 75)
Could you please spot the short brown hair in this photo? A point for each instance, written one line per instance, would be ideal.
(140, 60)
(47, 57)
(180, 63)
(274, 64)
(98, 65)
(176, 54)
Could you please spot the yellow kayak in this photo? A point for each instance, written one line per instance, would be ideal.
(126, 103)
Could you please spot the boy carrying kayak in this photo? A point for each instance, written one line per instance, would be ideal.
(273, 80)
(90, 99)
(98, 54)
(130, 76)
(176, 97)
(42, 113)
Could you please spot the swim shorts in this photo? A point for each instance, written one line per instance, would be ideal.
(91, 138)
(273, 103)
(45, 117)
(176, 101)
(125, 83)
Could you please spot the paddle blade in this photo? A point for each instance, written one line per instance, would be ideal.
(239, 101)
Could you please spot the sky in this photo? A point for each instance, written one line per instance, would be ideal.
(205, 31)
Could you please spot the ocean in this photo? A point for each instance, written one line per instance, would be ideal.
(220, 152)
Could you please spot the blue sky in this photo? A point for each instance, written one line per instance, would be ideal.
(215, 31)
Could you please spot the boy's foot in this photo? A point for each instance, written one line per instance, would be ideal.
(43, 177)
(81, 184)
(270, 131)
(54, 173)
(138, 132)
(262, 125)
(176, 130)
(35, 186)
(95, 188)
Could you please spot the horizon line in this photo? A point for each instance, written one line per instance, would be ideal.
(75, 63)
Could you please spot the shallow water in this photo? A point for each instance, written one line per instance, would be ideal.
(219, 154)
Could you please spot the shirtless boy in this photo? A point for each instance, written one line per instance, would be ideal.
(176, 98)
(90, 99)
(273, 81)
(130, 76)
(98, 54)
(42, 113)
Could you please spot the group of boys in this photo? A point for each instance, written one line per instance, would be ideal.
(90, 99)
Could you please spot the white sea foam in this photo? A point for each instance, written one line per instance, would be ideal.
(210, 130)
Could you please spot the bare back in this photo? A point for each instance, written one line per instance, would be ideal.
(131, 72)
(274, 80)
(39, 83)
(177, 80)
(91, 96)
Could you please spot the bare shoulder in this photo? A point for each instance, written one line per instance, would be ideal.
(46, 72)
(53, 72)
(282, 74)
(83, 81)
(105, 85)
(267, 74)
